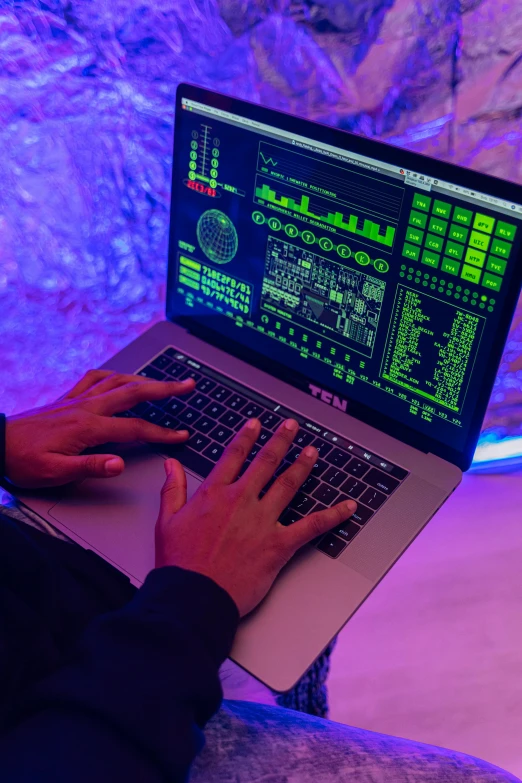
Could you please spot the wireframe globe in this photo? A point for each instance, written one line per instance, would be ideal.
(217, 236)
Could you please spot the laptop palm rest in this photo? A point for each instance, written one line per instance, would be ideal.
(116, 517)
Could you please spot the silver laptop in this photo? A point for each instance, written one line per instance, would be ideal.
(365, 290)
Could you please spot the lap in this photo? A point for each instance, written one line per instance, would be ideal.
(247, 743)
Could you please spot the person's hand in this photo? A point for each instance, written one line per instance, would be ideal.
(44, 446)
(226, 531)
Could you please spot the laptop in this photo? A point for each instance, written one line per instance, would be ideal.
(366, 291)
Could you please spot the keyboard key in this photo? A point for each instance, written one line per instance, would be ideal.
(161, 362)
(270, 420)
(199, 400)
(302, 503)
(199, 442)
(214, 410)
(357, 468)
(205, 385)
(252, 411)
(293, 454)
(310, 484)
(220, 393)
(379, 480)
(347, 530)
(289, 516)
(322, 446)
(214, 451)
(236, 402)
(362, 515)
(339, 458)
(152, 372)
(254, 451)
(373, 498)
(191, 373)
(331, 545)
(264, 437)
(353, 487)
(221, 433)
(232, 419)
(141, 409)
(399, 473)
(303, 438)
(169, 422)
(188, 416)
(175, 370)
(325, 494)
(173, 406)
(205, 424)
(189, 459)
(154, 415)
(334, 477)
(319, 468)
(282, 467)
(171, 352)
(124, 415)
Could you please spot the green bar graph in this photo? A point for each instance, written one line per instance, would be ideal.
(370, 229)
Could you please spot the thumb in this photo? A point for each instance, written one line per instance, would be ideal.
(88, 466)
(174, 490)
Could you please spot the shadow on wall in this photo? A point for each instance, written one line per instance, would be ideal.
(86, 115)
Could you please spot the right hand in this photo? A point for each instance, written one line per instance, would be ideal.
(226, 531)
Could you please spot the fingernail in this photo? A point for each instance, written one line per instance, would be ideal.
(291, 424)
(168, 467)
(251, 424)
(351, 506)
(181, 432)
(113, 467)
(309, 451)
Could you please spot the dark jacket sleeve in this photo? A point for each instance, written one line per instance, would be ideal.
(133, 699)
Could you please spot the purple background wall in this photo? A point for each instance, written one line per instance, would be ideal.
(86, 115)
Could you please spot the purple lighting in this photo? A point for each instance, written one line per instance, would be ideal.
(86, 115)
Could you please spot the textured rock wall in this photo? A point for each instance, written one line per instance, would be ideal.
(86, 112)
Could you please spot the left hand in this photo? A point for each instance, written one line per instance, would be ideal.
(44, 446)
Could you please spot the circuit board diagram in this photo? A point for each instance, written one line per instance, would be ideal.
(322, 295)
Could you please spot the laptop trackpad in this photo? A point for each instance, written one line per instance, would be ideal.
(116, 517)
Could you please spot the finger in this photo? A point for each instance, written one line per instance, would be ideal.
(267, 461)
(128, 430)
(314, 525)
(91, 378)
(114, 381)
(136, 391)
(67, 469)
(287, 484)
(235, 454)
(174, 490)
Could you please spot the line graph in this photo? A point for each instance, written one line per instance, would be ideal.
(268, 161)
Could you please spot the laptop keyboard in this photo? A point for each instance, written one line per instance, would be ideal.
(218, 408)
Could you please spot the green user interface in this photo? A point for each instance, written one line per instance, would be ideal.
(385, 291)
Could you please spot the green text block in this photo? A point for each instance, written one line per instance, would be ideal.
(450, 266)
(414, 235)
(420, 201)
(505, 230)
(438, 226)
(442, 209)
(458, 233)
(418, 219)
(470, 273)
(500, 248)
(410, 251)
(478, 240)
(475, 257)
(496, 265)
(484, 223)
(434, 243)
(431, 259)
(491, 281)
(454, 250)
(462, 216)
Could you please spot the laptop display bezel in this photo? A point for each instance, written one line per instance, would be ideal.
(406, 159)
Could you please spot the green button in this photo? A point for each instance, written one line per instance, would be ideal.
(418, 219)
(442, 209)
(497, 265)
(471, 274)
(438, 226)
(421, 202)
(434, 243)
(430, 259)
(492, 281)
(501, 248)
(454, 250)
(462, 216)
(414, 235)
(410, 251)
(475, 257)
(450, 266)
(505, 230)
(458, 233)
(478, 240)
(484, 223)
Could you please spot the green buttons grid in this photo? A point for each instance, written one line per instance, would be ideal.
(483, 261)
(450, 288)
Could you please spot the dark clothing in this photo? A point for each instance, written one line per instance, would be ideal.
(100, 681)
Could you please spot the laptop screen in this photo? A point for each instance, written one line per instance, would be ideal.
(375, 282)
